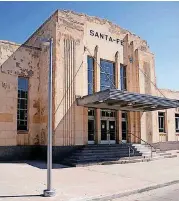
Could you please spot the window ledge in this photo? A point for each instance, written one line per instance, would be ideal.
(22, 132)
(162, 133)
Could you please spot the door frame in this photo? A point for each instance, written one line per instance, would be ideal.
(107, 124)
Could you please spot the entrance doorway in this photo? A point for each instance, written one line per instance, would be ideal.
(124, 127)
(108, 127)
(91, 126)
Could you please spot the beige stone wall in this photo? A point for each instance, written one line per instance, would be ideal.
(170, 134)
(147, 82)
(149, 120)
(16, 60)
(69, 127)
(47, 30)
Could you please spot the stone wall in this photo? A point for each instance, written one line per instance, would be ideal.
(46, 30)
(16, 60)
(170, 134)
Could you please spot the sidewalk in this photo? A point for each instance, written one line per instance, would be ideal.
(22, 181)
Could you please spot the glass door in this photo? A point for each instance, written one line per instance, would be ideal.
(108, 132)
(124, 127)
(108, 127)
(91, 131)
(112, 131)
(103, 131)
(91, 126)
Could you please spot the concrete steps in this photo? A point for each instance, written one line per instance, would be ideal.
(96, 154)
(114, 154)
(157, 154)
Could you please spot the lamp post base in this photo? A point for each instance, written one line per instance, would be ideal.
(49, 193)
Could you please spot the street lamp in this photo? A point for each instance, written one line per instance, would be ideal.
(49, 192)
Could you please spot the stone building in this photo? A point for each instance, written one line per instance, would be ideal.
(89, 55)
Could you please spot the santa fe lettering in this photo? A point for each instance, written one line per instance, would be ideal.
(104, 37)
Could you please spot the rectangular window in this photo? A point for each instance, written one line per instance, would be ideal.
(108, 113)
(22, 103)
(107, 75)
(177, 123)
(90, 75)
(91, 112)
(123, 77)
(161, 121)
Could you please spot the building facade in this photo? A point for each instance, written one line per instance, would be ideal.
(89, 55)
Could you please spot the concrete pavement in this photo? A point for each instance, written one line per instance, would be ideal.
(168, 193)
(22, 181)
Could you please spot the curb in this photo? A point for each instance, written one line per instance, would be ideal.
(125, 194)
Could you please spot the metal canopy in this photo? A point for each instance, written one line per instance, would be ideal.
(127, 101)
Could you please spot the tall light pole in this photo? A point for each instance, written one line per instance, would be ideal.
(49, 192)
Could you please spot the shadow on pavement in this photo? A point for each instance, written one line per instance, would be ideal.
(19, 196)
(43, 165)
(37, 164)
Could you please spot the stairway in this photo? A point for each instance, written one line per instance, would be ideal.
(97, 154)
(145, 150)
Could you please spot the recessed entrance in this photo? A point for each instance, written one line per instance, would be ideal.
(108, 127)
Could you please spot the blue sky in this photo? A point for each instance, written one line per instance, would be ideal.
(156, 22)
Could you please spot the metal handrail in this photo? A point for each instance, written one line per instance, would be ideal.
(130, 148)
(144, 142)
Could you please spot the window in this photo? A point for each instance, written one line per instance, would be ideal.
(123, 77)
(161, 120)
(91, 112)
(90, 75)
(124, 116)
(22, 104)
(177, 123)
(107, 75)
(108, 113)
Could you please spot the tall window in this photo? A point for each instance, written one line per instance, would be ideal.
(22, 103)
(176, 123)
(123, 77)
(161, 120)
(107, 75)
(90, 75)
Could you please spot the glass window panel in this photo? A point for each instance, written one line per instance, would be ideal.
(90, 74)
(22, 114)
(23, 94)
(103, 113)
(123, 79)
(177, 122)
(90, 89)
(161, 119)
(23, 84)
(22, 103)
(107, 75)
(90, 63)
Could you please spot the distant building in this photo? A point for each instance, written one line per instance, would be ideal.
(89, 55)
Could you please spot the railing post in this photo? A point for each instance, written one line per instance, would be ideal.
(151, 152)
(129, 153)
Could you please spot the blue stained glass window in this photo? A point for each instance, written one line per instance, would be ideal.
(107, 75)
(90, 75)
